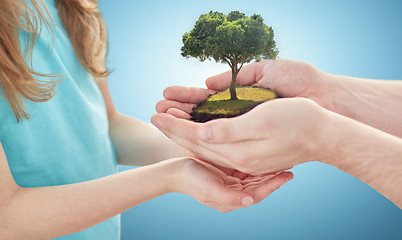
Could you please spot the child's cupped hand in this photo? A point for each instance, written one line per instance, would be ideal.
(225, 189)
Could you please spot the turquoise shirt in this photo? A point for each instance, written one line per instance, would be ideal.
(66, 139)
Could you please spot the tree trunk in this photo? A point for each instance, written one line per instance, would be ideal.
(232, 88)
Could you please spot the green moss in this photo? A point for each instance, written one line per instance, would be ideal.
(220, 105)
(245, 93)
(226, 106)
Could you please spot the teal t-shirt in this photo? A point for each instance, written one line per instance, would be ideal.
(66, 139)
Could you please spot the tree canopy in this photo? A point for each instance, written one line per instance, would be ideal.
(233, 39)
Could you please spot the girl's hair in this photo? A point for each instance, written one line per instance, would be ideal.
(82, 21)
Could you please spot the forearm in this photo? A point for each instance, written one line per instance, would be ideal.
(374, 102)
(138, 143)
(49, 212)
(370, 155)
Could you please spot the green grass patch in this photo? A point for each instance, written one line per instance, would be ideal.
(220, 105)
(246, 93)
(231, 107)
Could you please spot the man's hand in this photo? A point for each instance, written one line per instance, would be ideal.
(288, 78)
(372, 102)
(362, 151)
(275, 135)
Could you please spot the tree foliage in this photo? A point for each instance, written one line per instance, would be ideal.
(234, 39)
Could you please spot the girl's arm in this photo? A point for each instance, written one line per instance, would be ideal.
(50, 212)
(137, 143)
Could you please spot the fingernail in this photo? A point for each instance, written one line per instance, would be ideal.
(205, 133)
(247, 201)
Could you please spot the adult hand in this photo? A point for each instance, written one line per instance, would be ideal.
(355, 148)
(217, 189)
(286, 77)
(275, 135)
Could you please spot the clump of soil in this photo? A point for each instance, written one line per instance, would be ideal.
(219, 105)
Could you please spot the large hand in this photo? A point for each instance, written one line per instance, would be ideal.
(217, 189)
(286, 77)
(275, 135)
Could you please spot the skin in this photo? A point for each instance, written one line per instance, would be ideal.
(50, 212)
(352, 124)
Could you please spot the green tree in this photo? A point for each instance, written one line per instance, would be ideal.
(234, 39)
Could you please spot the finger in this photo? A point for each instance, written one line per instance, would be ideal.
(183, 128)
(230, 199)
(230, 130)
(178, 113)
(183, 132)
(248, 75)
(252, 125)
(259, 178)
(186, 94)
(163, 105)
(267, 187)
(186, 134)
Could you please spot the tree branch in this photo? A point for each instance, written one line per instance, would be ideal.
(242, 59)
(227, 60)
(241, 66)
(234, 63)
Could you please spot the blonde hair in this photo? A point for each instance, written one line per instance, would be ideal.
(82, 21)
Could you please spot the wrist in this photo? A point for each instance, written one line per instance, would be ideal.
(333, 94)
(344, 95)
(338, 138)
(350, 145)
(174, 174)
(168, 174)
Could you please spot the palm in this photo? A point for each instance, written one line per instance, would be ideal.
(206, 177)
(253, 185)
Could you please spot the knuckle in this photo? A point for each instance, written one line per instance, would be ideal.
(309, 105)
(221, 131)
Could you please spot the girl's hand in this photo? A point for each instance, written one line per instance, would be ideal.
(223, 189)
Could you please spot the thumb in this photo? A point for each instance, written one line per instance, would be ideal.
(219, 82)
(230, 199)
(248, 75)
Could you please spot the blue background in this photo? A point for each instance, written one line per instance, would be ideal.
(356, 38)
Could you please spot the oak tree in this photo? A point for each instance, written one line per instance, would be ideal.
(234, 39)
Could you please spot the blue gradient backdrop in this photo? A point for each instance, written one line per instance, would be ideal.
(356, 38)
